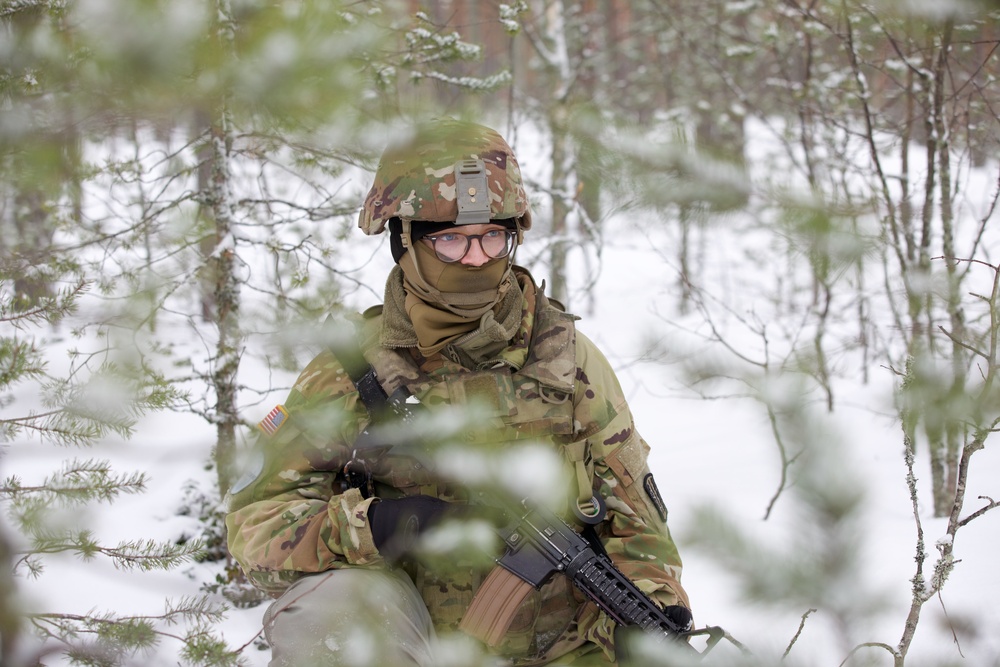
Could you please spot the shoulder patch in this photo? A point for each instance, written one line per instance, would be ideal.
(274, 420)
(649, 484)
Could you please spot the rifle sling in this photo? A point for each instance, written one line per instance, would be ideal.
(347, 350)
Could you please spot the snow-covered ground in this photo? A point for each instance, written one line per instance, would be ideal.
(718, 452)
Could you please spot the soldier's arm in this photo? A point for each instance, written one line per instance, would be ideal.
(290, 519)
(635, 533)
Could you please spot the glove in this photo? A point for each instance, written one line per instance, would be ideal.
(681, 616)
(396, 523)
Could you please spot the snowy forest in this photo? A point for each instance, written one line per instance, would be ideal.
(785, 210)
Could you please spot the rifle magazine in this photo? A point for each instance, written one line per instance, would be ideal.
(494, 606)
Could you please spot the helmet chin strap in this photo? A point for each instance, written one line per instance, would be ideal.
(465, 304)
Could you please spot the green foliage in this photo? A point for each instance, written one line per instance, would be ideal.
(510, 16)
(154, 58)
(80, 409)
(427, 49)
(830, 238)
(203, 647)
(113, 640)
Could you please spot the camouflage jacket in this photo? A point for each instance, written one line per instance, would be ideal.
(297, 517)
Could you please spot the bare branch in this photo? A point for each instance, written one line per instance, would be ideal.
(993, 504)
(895, 654)
(802, 625)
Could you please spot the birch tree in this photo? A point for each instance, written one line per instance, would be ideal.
(217, 198)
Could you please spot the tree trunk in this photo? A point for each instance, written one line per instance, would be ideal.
(226, 295)
(33, 242)
(227, 306)
(560, 207)
(945, 493)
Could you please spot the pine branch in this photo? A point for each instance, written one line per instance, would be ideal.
(144, 555)
(149, 555)
(78, 482)
(47, 310)
(116, 638)
(19, 361)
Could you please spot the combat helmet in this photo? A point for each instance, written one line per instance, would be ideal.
(447, 171)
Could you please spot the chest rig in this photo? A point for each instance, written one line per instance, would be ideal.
(533, 402)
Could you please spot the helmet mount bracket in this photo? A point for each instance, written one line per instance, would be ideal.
(472, 192)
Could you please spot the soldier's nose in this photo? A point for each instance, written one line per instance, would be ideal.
(475, 256)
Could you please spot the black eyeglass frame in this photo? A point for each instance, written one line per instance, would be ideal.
(508, 247)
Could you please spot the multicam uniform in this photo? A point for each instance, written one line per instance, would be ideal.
(541, 380)
(554, 386)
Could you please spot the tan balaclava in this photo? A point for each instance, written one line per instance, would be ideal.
(445, 301)
(449, 173)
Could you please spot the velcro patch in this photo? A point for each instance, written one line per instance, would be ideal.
(649, 484)
(274, 420)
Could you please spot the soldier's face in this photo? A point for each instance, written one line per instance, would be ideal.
(471, 245)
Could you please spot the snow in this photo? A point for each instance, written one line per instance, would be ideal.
(718, 453)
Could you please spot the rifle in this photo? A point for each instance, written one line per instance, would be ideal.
(538, 544)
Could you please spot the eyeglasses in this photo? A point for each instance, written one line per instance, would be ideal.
(452, 247)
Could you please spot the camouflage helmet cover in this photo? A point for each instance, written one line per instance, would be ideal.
(416, 179)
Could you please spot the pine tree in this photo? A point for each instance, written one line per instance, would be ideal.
(97, 397)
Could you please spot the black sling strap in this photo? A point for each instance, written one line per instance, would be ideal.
(347, 350)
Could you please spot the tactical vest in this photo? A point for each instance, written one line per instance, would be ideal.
(533, 403)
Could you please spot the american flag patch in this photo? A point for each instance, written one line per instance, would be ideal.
(274, 420)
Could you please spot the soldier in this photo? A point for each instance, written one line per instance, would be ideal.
(460, 322)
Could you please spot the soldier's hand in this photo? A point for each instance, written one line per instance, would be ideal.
(681, 616)
(396, 523)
